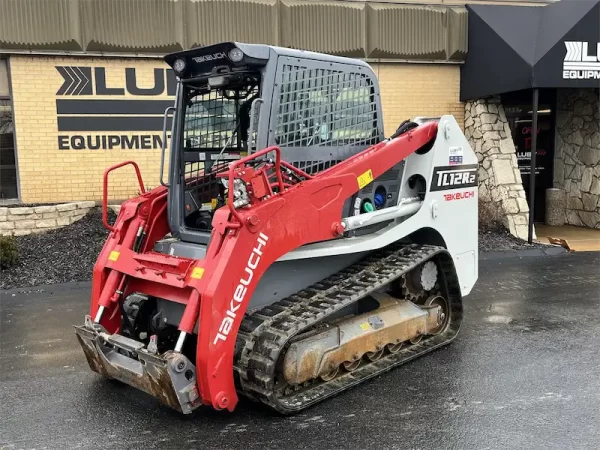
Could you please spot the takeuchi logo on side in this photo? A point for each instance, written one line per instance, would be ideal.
(579, 63)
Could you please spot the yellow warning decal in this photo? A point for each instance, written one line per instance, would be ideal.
(114, 255)
(197, 272)
(213, 203)
(365, 179)
(365, 326)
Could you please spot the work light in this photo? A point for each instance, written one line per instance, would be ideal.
(236, 55)
(179, 66)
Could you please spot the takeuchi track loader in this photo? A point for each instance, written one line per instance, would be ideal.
(291, 250)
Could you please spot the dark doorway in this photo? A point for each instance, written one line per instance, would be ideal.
(8, 164)
(519, 113)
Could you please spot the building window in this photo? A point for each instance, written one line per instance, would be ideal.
(8, 165)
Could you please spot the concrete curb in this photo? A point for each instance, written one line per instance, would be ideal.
(47, 288)
(523, 253)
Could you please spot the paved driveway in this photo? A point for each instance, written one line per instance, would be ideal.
(523, 373)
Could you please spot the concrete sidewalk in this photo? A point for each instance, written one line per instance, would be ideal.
(577, 239)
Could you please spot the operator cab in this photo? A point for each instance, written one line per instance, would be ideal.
(234, 99)
(215, 97)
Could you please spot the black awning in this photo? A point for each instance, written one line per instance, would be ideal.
(511, 48)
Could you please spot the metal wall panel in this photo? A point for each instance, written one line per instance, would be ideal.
(39, 24)
(131, 25)
(329, 27)
(154, 27)
(407, 32)
(212, 21)
(457, 33)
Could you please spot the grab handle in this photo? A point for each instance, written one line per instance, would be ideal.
(105, 189)
(164, 145)
(251, 127)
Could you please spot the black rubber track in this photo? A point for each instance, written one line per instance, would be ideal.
(264, 333)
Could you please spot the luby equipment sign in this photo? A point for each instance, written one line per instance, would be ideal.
(93, 114)
(580, 62)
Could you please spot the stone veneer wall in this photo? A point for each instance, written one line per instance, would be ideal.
(19, 221)
(577, 154)
(489, 134)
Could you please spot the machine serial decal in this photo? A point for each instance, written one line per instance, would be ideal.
(459, 196)
(454, 177)
(455, 155)
(241, 289)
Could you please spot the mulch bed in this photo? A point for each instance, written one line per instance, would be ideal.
(500, 240)
(69, 253)
(64, 255)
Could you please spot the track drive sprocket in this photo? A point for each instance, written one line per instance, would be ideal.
(418, 284)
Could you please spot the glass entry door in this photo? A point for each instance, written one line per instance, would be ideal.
(519, 114)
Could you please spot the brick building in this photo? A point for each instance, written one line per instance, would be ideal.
(83, 84)
(64, 142)
(528, 65)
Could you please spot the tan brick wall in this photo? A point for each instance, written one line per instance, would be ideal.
(410, 90)
(49, 174)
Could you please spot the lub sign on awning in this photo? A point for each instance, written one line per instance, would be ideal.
(511, 48)
(514, 48)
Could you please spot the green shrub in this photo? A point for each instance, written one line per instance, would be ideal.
(9, 251)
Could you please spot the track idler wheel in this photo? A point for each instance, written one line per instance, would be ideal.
(330, 375)
(374, 356)
(444, 314)
(351, 365)
(416, 340)
(395, 348)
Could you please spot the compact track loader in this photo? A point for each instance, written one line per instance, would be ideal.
(291, 250)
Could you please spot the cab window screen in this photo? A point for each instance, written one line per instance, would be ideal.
(323, 107)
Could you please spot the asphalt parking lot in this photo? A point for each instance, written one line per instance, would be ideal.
(522, 373)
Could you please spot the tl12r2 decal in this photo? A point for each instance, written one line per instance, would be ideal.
(454, 177)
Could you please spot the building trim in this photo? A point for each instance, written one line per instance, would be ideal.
(361, 29)
(41, 53)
